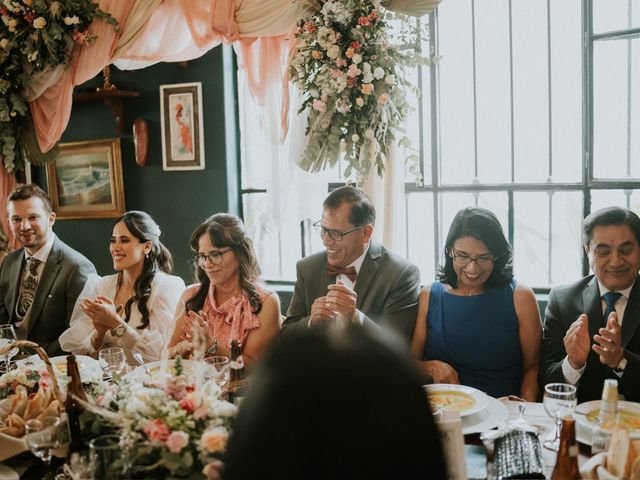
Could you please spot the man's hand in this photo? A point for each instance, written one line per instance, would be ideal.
(577, 342)
(441, 372)
(609, 342)
(342, 300)
(320, 310)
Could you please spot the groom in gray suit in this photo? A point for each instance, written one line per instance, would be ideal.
(39, 283)
(354, 279)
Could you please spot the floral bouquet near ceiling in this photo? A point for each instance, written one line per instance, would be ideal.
(171, 425)
(353, 85)
(35, 36)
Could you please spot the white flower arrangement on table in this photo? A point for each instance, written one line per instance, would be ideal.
(353, 85)
(170, 425)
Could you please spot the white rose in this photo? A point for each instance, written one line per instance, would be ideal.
(357, 58)
(390, 80)
(333, 52)
(366, 67)
(378, 73)
(367, 78)
(359, 101)
(369, 134)
(39, 22)
(355, 138)
(314, 93)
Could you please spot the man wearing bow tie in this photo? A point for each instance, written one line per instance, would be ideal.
(354, 279)
(39, 283)
(592, 327)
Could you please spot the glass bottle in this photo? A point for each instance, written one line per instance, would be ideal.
(71, 404)
(236, 372)
(566, 467)
(607, 417)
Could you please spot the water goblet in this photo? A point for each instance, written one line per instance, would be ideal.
(218, 369)
(559, 401)
(43, 436)
(112, 360)
(8, 337)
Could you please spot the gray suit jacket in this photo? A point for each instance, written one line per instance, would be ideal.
(62, 280)
(387, 288)
(566, 303)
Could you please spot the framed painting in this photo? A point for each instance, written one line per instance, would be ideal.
(85, 181)
(181, 122)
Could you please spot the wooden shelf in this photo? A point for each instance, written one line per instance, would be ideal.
(112, 98)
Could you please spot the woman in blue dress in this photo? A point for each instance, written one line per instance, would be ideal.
(477, 326)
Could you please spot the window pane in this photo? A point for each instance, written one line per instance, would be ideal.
(566, 91)
(420, 238)
(539, 262)
(531, 91)
(413, 127)
(615, 109)
(618, 198)
(457, 150)
(611, 15)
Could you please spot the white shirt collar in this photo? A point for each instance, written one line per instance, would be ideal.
(625, 293)
(357, 263)
(43, 253)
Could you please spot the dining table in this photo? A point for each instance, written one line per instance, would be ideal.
(478, 453)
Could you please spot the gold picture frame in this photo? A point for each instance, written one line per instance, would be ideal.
(85, 180)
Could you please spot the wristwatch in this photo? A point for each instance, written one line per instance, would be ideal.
(119, 330)
(622, 364)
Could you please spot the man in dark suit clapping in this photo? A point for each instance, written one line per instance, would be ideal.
(591, 327)
(40, 282)
(354, 278)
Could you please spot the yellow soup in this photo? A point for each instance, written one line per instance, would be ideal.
(170, 369)
(62, 367)
(451, 400)
(629, 418)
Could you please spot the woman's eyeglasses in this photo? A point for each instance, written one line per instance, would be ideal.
(213, 257)
(481, 260)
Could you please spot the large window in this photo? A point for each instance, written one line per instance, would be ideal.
(533, 112)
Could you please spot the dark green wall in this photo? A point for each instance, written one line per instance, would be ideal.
(177, 200)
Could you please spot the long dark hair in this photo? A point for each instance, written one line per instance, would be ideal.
(144, 228)
(483, 225)
(226, 230)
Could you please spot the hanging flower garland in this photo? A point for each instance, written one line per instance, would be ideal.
(353, 85)
(35, 35)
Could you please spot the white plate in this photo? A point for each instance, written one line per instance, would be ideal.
(481, 400)
(88, 367)
(7, 473)
(492, 416)
(189, 367)
(584, 426)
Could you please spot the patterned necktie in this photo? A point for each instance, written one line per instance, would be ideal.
(334, 271)
(28, 288)
(610, 298)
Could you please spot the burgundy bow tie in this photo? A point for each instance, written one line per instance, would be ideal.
(334, 271)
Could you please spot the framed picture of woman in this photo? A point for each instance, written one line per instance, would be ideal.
(181, 123)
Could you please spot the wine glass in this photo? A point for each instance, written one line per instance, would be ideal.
(7, 337)
(112, 360)
(218, 369)
(559, 401)
(43, 436)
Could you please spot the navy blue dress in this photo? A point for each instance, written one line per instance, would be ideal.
(478, 336)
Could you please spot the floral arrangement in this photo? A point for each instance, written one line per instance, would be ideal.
(172, 424)
(35, 35)
(27, 376)
(352, 83)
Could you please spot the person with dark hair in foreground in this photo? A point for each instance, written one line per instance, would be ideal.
(354, 278)
(40, 282)
(477, 326)
(133, 308)
(335, 402)
(592, 327)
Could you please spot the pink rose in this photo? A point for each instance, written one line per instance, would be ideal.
(215, 440)
(157, 430)
(187, 404)
(200, 413)
(177, 441)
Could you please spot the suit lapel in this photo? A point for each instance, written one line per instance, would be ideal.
(324, 280)
(592, 306)
(16, 274)
(49, 273)
(631, 320)
(367, 272)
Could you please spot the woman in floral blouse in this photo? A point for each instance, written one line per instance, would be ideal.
(228, 302)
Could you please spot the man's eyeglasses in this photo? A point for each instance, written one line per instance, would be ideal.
(333, 234)
(213, 257)
(481, 260)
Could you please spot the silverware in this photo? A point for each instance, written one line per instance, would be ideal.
(138, 358)
(521, 408)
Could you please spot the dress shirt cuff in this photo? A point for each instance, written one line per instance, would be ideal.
(571, 375)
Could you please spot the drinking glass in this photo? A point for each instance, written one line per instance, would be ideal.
(112, 360)
(42, 437)
(7, 337)
(106, 458)
(218, 369)
(559, 401)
